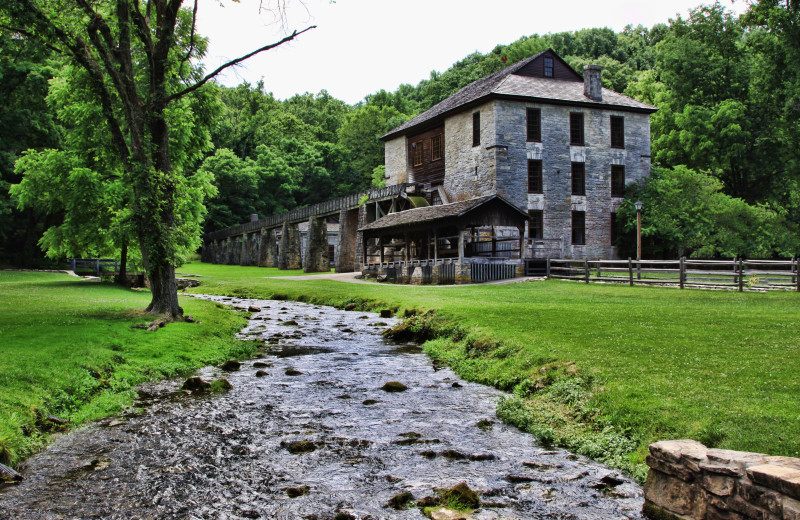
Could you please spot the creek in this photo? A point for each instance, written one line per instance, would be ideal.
(179, 455)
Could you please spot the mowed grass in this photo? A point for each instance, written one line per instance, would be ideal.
(67, 348)
(653, 363)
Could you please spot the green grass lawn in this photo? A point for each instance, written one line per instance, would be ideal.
(617, 367)
(67, 348)
(602, 369)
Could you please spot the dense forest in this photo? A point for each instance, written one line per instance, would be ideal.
(726, 139)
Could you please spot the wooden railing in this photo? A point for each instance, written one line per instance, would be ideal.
(101, 266)
(737, 273)
(300, 214)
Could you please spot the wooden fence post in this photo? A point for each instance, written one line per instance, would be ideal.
(630, 271)
(548, 268)
(73, 265)
(741, 275)
(586, 267)
(797, 273)
(682, 275)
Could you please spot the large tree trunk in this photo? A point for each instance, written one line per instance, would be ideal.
(122, 274)
(164, 293)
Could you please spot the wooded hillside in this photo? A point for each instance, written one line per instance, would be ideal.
(726, 138)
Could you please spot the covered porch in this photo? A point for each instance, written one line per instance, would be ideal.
(475, 240)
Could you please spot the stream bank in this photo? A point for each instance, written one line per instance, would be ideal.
(309, 432)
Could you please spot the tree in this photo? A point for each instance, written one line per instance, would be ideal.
(360, 135)
(686, 213)
(139, 70)
(25, 122)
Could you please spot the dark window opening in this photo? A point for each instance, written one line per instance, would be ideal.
(534, 176)
(578, 178)
(437, 147)
(576, 129)
(534, 125)
(616, 228)
(416, 153)
(617, 180)
(578, 228)
(476, 129)
(535, 224)
(548, 67)
(617, 132)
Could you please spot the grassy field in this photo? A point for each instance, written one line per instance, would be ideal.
(602, 369)
(67, 348)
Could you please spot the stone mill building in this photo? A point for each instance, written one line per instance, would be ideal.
(525, 164)
(556, 145)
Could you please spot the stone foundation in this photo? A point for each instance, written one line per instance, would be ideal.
(688, 481)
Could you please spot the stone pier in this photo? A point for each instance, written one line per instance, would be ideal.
(316, 258)
(289, 256)
(266, 249)
(348, 234)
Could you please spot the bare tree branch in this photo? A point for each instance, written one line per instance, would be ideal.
(191, 42)
(236, 61)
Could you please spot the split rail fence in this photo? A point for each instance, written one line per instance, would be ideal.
(738, 273)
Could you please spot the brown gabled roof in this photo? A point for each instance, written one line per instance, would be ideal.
(420, 216)
(506, 83)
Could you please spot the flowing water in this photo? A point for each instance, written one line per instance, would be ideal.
(229, 456)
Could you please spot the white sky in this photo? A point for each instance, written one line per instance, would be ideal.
(362, 46)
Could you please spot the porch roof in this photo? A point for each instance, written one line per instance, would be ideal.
(487, 210)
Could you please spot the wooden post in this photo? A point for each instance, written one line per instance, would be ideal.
(682, 275)
(630, 271)
(797, 273)
(586, 267)
(380, 244)
(599, 267)
(73, 265)
(461, 246)
(548, 268)
(97, 267)
(741, 275)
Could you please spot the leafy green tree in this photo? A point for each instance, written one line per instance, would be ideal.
(360, 135)
(25, 122)
(686, 213)
(138, 61)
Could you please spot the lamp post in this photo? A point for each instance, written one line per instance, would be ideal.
(638, 205)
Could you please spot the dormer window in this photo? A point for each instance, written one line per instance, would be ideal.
(548, 67)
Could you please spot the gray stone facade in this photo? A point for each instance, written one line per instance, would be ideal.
(499, 165)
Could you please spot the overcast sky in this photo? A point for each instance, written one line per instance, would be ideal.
(362, 46)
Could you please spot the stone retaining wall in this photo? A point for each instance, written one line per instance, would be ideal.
(688, 481)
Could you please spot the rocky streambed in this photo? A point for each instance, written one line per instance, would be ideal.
(311, 431)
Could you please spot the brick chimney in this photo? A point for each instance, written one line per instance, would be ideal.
(592, 82)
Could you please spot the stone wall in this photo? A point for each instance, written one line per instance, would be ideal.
(688, 481)
(396, 161)
(469, 171)
(556, 154)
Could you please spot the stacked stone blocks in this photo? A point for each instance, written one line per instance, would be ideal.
(688, 481)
